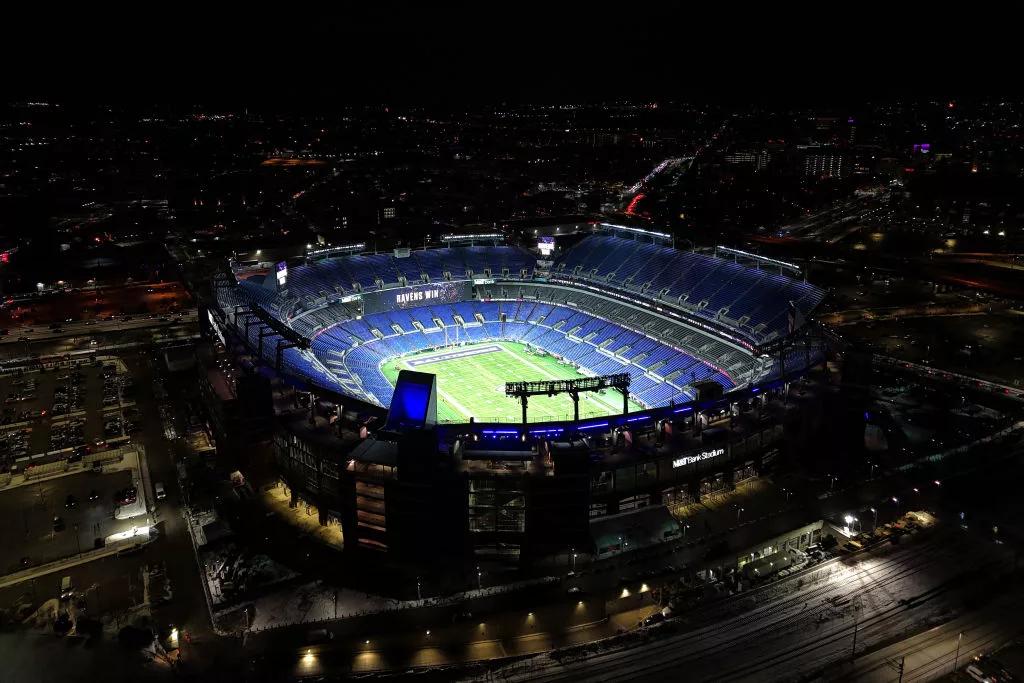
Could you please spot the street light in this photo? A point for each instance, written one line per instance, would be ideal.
(856, 601)
(874, 524)
(479, 578)
(897, 501)
(956, 659)
(574, 563)
(739, 510)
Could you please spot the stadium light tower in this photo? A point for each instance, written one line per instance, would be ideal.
(523, 390)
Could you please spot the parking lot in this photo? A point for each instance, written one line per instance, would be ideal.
(60, 517)
(64, 413)
(987, 346)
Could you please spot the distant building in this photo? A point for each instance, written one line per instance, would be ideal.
(606, 139)
(824, 163)
(758, 160)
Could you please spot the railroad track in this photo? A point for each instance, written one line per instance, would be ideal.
(778, 617)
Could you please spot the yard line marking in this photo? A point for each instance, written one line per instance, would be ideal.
(455, 404)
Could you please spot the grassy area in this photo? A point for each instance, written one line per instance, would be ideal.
(474, 385)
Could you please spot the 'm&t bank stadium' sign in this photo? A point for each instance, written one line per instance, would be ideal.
(703, 455)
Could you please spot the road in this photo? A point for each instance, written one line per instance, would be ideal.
(934, 653)
(800, 626)
(89, 328)
(40, 310)
(188, 609)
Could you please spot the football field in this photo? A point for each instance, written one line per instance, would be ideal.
(471, 383)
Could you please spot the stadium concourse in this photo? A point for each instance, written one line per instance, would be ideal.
(610, 304)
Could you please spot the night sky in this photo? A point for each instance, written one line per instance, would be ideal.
(506, 52)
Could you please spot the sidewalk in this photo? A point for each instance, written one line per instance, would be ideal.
(474, 640)
(304, 517)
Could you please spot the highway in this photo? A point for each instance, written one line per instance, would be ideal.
(832, 224)
(88, 328)
(802, 625)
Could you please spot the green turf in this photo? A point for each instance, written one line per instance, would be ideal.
(475, 386)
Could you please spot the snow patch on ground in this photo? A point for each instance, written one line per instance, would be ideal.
(312, 602)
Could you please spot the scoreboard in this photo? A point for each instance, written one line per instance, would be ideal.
(419, 295)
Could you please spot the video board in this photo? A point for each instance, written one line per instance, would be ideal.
(420, 295)
(546, 246)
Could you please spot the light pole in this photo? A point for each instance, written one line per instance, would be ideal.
(874, 524)
(872, 473)
(788, 494)
(956, 659)
(739, 511)
(853, 652)
(897, 501)
(574, 563)
(419, 595)
(479, 578)
(685, 527)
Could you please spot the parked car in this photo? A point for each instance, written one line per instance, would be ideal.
(127, 496)
(66, 588)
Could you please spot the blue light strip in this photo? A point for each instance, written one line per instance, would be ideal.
(639, 419)
(684, 409)
(501, 431)
(594, 426)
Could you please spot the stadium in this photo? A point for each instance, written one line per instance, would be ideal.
(620, 350)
